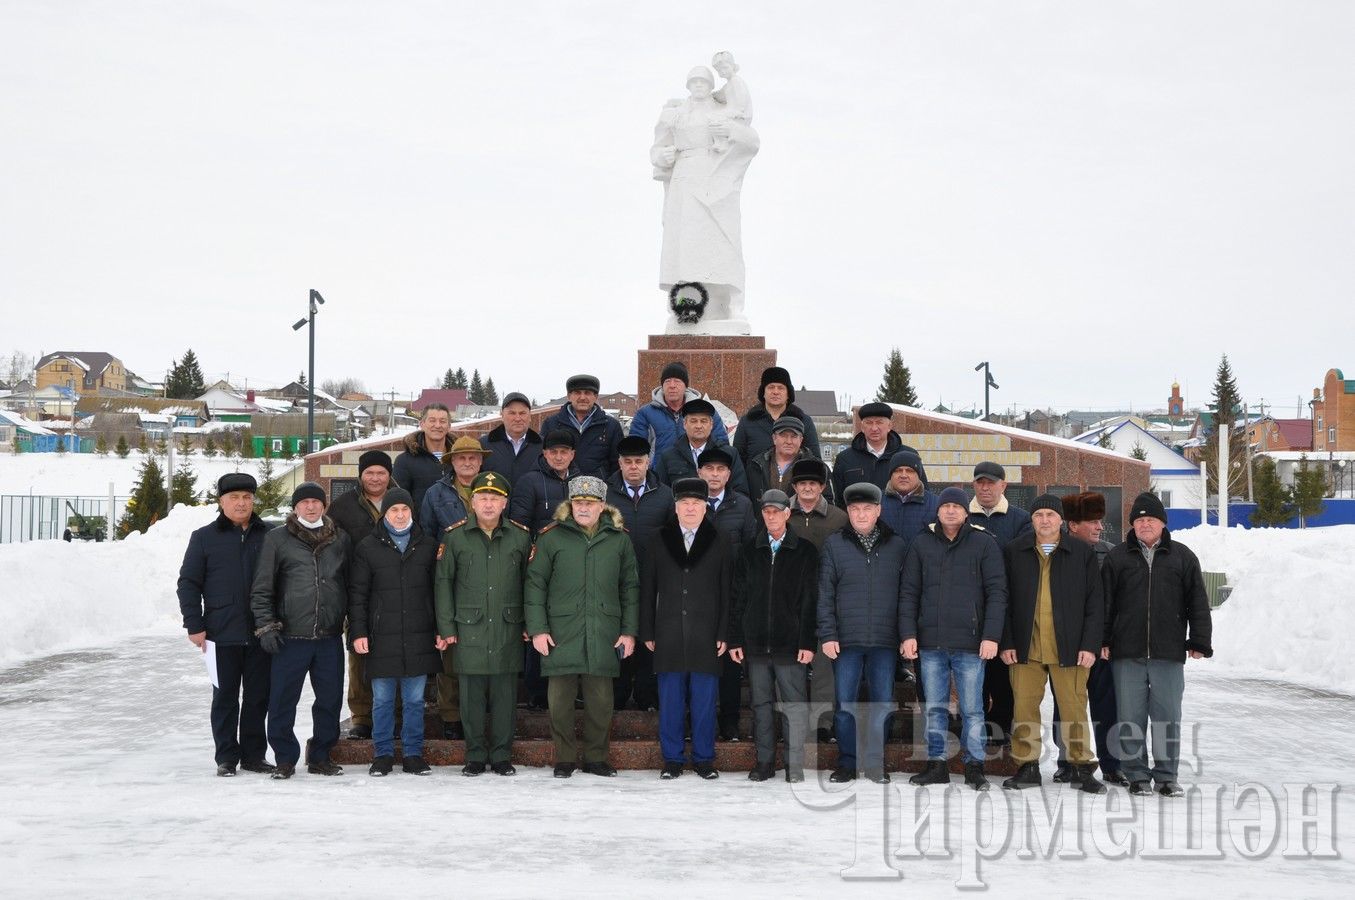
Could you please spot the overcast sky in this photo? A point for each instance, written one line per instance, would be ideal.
(1095, 197)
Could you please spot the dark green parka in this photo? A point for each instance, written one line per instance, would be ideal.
(585, 592)
(477, 591)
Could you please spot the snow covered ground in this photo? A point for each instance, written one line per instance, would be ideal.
(106, 759)
(88, 474)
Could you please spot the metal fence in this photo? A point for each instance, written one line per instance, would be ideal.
(30, 517)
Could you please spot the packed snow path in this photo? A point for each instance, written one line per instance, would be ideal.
(109, 786)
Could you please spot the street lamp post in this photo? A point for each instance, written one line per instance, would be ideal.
(315, 301)
(988, 382)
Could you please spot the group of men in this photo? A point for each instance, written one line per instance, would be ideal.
(667, 567)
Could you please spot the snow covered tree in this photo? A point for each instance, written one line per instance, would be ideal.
(897, 386)
(337, 387)
(477, 389)
(185, 378)
(1310, 486)
(269, 496)
(101, 446)
(1273, 499)
(1139, 452)
(122, 449)
(209, 447)
(1104, 441)
(491, 393)
(148, 500)
(184, 487)
(61, 447)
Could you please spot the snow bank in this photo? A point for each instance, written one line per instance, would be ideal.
(58, 596)
(88, 474)
(1290, 610)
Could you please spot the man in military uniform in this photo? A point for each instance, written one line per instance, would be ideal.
(582, 601)
(481, 567)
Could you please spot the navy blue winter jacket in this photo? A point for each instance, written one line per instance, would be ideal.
(216, 577)
(954, 592)
(598, 437)
(859, 591)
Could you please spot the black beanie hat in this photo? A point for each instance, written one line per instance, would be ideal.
(1147, 504)
(775, 375)
(632, 445)
(1047, 501)
(675, 370)
(907, 456)
(395, 496)
(374, 458)
(308, 490)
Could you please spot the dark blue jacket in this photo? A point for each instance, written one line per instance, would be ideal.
(216, 577)
(677, 462)
(856, 464)
(503, 461)
(532, 503)
(442, 507)
(643, 518)
(596, 452)
(1003, 526)
(417, 468)
(907, 516)
(859, 591)
(954, 592)
(736, 520)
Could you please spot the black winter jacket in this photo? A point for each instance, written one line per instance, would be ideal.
(677, 463)
(954, 593)
(352, 513)
(1157, 615)
(775, 601)
(301, 584)
(502, 459)
(596, 451)
(216, 577)
(417, 468)
(684, 598)
(533, 501)
(645, 517)
(761, 472)
(391, 604)
(754, 434)
(736, 520)
(1074, 587)
(1003, 526)
(856, 464)
(859, 591)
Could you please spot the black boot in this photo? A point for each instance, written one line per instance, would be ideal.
(471, 769)
(1065, 773)
(225, 770)
(1028, 776)
(261, 766)
(414, 765)
(761, 772)
(973, 776)
(935, 773)
(381, 766)
(504, 768)
(564, 770)
(842, 775)
(1087, 783)
(325, 767)
(360, 733)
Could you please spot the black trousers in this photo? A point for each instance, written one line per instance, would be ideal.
(637, 679)
(238, 725)
(998, 700)
(731, 693)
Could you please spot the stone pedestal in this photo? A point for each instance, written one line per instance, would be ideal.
(727, 367)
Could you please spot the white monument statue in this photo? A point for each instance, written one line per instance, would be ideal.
(702, 147)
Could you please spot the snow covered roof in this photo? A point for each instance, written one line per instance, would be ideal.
(23, 422)
(1007, 430)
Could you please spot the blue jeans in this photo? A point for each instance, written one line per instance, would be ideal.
(937, 668)
(676, 691)
(877, 664)
(383, 715)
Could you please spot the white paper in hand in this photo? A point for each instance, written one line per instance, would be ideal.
(209, 657)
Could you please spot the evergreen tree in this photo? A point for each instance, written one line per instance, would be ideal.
(1273, 499)
(209, 448)
(459, 380)
(287, 452)
(1139, 452)
(183, 487)
(1310, 486)
(269, 496)
(1104, 441)
(148, 500)
(897, 386)
(185, 443)
(101, 446)
(477, 389)
(122, 449)
(17, 447)
(143, 444)
(491, 393)
(185, 378)
(301, 379)
(1227, 409)
(61, 447)
(246, 436)
(448, 380)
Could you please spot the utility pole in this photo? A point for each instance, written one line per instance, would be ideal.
(988, 383)
(315, 301)
(390, 412)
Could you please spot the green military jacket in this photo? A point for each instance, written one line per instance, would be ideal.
(584, 592)
(477, 593)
